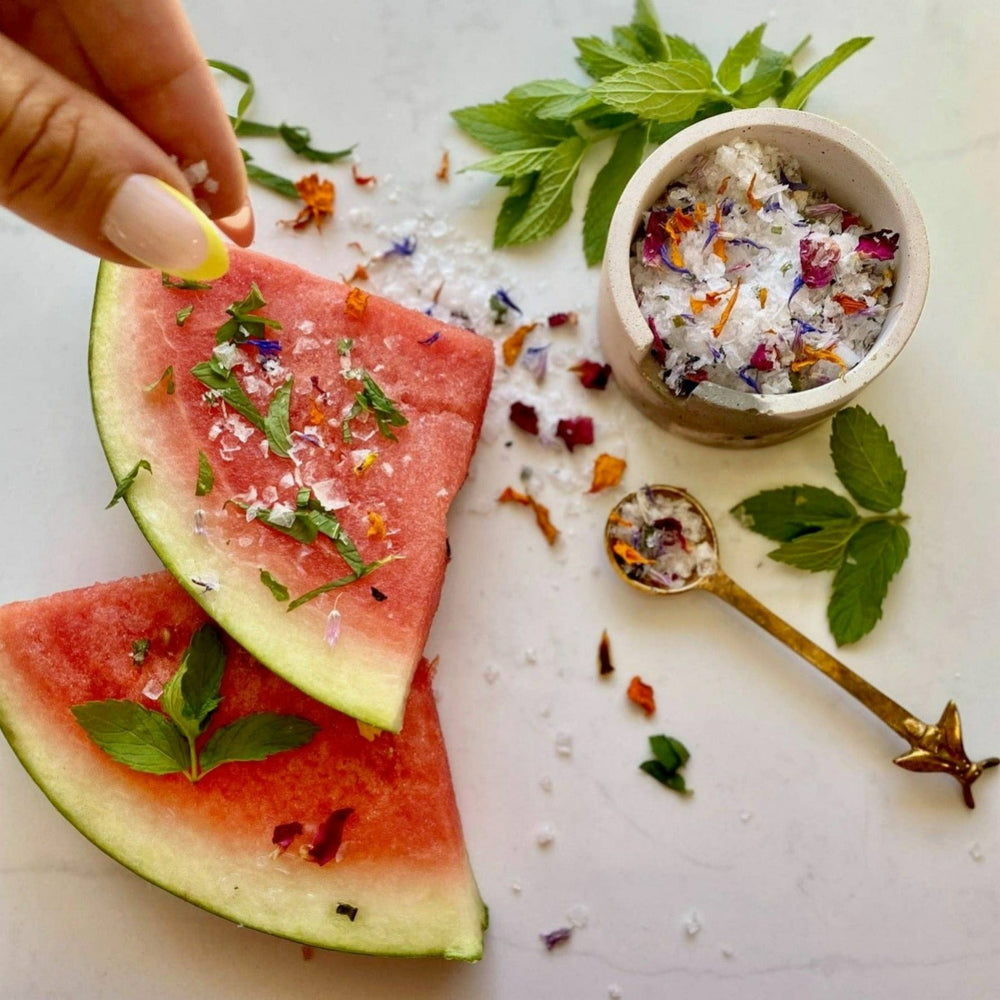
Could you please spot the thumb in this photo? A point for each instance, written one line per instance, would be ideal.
(76, 167)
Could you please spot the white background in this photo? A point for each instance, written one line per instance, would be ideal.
(812, 866)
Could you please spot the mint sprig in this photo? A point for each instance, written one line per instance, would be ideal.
(820, 530)
(646, 85)
(669, 756)
(171, 741)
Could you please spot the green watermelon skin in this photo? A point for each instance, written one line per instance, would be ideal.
(402, 860)
(439, 375)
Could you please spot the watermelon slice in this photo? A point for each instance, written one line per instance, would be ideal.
(323, 452)
(400, 882)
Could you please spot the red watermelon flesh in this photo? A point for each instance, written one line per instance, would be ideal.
(390, 496)
(402, 861)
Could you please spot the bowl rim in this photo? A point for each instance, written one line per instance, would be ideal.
(652, 176)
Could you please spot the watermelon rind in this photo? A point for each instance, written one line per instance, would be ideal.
(417, 906)
(367, 672)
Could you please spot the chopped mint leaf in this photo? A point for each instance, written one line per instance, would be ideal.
(807, 82)
(372, 399)
(278, 590)
(255, 737)
(276, 425)
(669, 756)
(344, 346)
(166, 380)
(133, 735)
(244, 323)
(206, 478)
(223, 383)
(268, 179)
(183, 313)
(866, 461)
(183, 284)
(128, 480)
(140, 650)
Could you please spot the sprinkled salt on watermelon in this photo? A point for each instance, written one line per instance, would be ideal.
(395, 878)
(299, 434)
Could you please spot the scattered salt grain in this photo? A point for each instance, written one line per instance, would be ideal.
(545, 783)
(615, 992)
(578, 916)
(564, 744)
(153, 689)
(692, 924)
(545, 835)
(976, 852)
(491, 673)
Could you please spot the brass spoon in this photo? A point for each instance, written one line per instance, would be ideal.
(634, 535)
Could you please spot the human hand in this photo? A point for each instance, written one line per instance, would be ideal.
(111, 127)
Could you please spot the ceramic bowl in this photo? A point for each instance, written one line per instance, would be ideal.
(832, 158)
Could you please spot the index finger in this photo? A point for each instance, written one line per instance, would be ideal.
(152, 69)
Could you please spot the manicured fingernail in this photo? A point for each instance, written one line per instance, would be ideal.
(159, 227)
(239, 226)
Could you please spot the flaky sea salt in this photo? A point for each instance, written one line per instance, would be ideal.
(752, 280)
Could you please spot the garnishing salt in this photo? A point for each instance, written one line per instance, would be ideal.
(751, 279)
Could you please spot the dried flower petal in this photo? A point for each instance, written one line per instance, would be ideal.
(563, 319)
(608, 472)
(524, 416)
(818, 256)
(513, 344)
(359, 179)
(850, 304)
(880, 244)
(318, 197)
(444, 168)
(604, 664)
(592, 374)
(376, 526)
(641, 694)
(360, 274)
(332, 631)
(356, 302)
(555, 937)
(629, 555)
(328, 837)
(285, 833)
(541, 512)
(575, 431)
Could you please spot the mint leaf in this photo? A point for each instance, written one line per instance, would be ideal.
(766, 81)
(669, 756)
(297, 138)
(278, 590)
(556, 99)
(874, 556)
(599, 58)
(127, 481)
(807, 82)
(166, 380)
(268, 179)
(385, 410)
(206, 477)
(223, 383)
(866, 461)
(276, 420)
(192, 693)
(516, 163)
(646, 27)
(143, 740)
(513, 208)
(785, 513)
(502, 127)
(661, 92)
(681, 48)
(741, 55)
(551, 199)
(243, 77)
(607, 189)
(255, 737)
(818, 550)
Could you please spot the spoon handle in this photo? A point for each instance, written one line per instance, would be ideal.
(936, 747)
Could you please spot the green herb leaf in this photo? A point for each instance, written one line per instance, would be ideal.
(183, 284)
(807, 82)
(192, 693)
(513, 208)
(255, 737)
(516, 163)
(551, 200)
(669, 756)
(818, 550)
(128, 480)
(297, 138)
(143, 740)
(785, 513)
(276, 420)
(183, 313)
(206, 478)
(741, 55)
(385, 410)
(268, 179)
(662, 92)
(166, 380)
(607, 189)
(278, 590)
(340, 581)
(140, 650)
(646, 27)
(561, 100)
(223, 382)
(503, 127)
(866, 461)
(874, 556)
(243, 77)
(600, 58)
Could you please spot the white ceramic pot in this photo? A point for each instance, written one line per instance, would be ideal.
(854, 174)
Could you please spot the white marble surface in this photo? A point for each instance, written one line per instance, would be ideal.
(805, 865)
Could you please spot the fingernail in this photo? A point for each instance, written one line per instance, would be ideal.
(239, 226)
(159, 227)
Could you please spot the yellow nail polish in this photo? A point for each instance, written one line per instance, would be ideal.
(161, 228)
